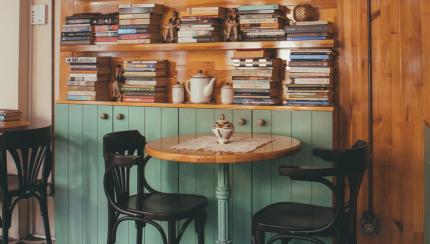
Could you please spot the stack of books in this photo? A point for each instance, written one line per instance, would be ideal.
(309, 30)
(106, 29)
(8, 115)
(89, 78)
(78, 29)
(146, 81)
(262, 22)
(202, 24)
(139, 23)
(309, 78)
(256, 78)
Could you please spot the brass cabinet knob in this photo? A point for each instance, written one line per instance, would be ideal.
(104, 116)
(242, 122)
(120, 116)
(261, 122)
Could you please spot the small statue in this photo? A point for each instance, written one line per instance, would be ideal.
(171, 29)
(117, 84)
(232, 26)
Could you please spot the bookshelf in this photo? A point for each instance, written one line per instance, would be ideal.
(200, 46)
(185, 59)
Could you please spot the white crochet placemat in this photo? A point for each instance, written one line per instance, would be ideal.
(236, 145)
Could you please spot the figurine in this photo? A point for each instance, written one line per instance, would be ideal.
(171, 29)
(232, 26)
(117, 84)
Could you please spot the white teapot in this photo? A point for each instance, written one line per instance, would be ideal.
(200, 88)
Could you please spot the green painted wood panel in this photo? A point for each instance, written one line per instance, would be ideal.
(302, 130)
(75, 174)
(241, 183)
(89, 159)
(322, 131)
(170, 170)
(281, 185)
(253, 185)
(103, 127)
(62, 173)
(206, 179)
(122, 125)
(153, 170)
(136, 121)
(187, 172)
(261, 171)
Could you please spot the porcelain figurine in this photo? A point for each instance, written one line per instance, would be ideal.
(223, 130)
(178, 93)
(117, 84)
(232, 26)
(171, 28)
(227, 94)
(200, 88)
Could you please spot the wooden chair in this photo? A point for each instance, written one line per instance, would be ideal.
(298, 221)
(122, 151)
(31, 154)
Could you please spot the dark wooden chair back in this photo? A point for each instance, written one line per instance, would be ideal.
(31, 153)
(123, 150)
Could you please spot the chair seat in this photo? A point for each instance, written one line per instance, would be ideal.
(163, 206)
(294, 217)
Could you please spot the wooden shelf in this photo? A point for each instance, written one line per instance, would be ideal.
(201, 106)
(199, 46)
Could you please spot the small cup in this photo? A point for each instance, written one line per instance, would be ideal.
(178, 93)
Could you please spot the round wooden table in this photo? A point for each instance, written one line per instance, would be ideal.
(13, 125)
(281, 146)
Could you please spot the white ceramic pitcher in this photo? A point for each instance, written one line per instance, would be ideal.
(200, 88)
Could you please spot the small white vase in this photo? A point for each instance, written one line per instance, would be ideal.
(178, 93)
(227, 94)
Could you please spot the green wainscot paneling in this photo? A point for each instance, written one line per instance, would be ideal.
(81, 207)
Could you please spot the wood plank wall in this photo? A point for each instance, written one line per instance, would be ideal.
(401, 103)
(402, 92)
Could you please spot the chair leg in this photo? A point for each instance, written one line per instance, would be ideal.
(111, 221)
(171, 232)
(259, 237)
(45, 217)
(139, 232)
(200, 228)
(285, 241)
(5, 224)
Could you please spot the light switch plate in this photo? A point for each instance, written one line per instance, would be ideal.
(38, 14)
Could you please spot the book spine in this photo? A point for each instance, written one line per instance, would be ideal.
(309, 57)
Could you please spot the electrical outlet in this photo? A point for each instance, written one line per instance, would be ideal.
(38, 14)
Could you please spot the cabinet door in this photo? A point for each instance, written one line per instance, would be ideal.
(104, 126)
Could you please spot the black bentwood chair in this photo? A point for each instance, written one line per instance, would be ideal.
(297, 221)
(148, 205)
(31, 154)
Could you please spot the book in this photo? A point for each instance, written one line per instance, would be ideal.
(260, 20)
(139, 16)
(261, 7)
(312, 69)
(212, 12)
(310, 57)
(254, 101)
(88, 98)
(318, 22)
(138, 41)
(309, 64)
(307, 38)
(309, 28)
(123, 22)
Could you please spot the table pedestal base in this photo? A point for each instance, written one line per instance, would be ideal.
(223, 194)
